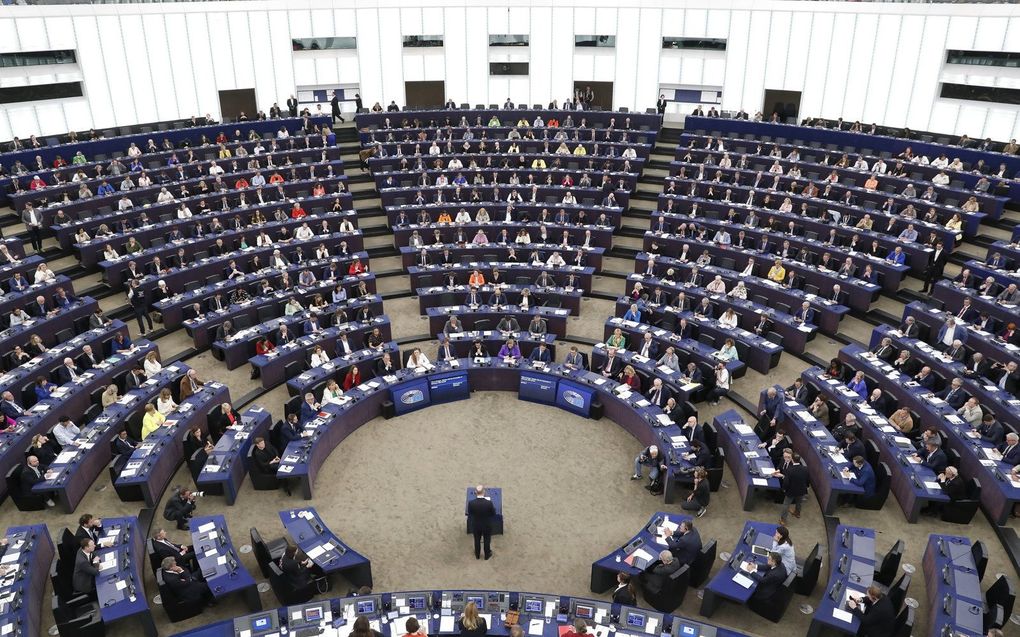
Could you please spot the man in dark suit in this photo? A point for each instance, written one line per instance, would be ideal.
(767, 415)
(656, 576)
(798, 391)
(9, 408)
(1010, 449)
(481, 514)
(574, 359)
(135, 378)
(86, 568)
(1006, 377)
(38, 307)
(183, 554)
(658, 394)
(124, 446)
(181, 583)
(852, 447)
(685, 543)
(876, 612)
(937, 260)
(68, 371)
(763, 326)
(611, 367)
(32, 473)
(954, 393)
(794, 479)
(878, 401)
(885, 350)
(88, 358)
(89, 527)
(217, 303)
(770, 582)
(933, 457)
(909, 327)
(292, 106)
(541, 354)
(180, 507)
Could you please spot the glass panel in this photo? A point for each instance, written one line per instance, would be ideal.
(37, 58)
(321, 44)
(597, 41)
(508, 40)
(38, 92)
(705, 44)
(508, 68)
(422, 41)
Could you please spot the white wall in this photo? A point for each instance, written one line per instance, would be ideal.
(869, 61)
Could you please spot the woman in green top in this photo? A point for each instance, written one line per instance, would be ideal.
(617, 339)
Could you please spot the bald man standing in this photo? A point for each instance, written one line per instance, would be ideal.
(481, 514)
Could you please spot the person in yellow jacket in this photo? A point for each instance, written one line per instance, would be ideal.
(151, 421)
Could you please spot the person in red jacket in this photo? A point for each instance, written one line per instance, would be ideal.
(357, 267)
(353, 378)
(297, 212)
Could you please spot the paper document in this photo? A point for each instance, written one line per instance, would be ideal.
(842, 615)
(743, 580)
(446, 624)
(536, 627)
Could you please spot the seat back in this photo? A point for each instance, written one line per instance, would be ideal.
(898, 591)
(980, 553)
(1001, 593)
(890, 564)
(702, 564)
(807, 576)
(258, 547)
(903, 626)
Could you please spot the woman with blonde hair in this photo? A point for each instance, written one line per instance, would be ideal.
(471, 624)
(151, 364)
(151, 421)
(110, 395)
(165, 403)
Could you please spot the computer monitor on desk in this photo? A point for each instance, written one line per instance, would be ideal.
(486, 601)
(310, 615)
(637, 620)
(415, 603)
(370, 605)
(538, 605)
(591, 611)
(683, 627)
(257, 624)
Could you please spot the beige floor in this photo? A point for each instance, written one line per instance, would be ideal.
(393, 489)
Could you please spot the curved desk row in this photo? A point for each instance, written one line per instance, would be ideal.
(752, 468)
(521, 212)
(539, 614)
(157, 236)
(29, 554)
(913, 484)
(685, 347)
(953, 296)
(738, 148)
(1002, 275)
(218, 562)
(439, 296)
(19, 380)
(314, 380)
(64, 318)
(852, 143)
(634, 557)
(850, 238)
(827, 314)
(931, 319)
(824, 460)
(238, 348)
(852, 566)
(978, 458)
(956, 604)
(457, 232)
(70, 399)
(273, 366)
(179, 308)
(120, 585)
(226, 465)
(481, 255)
(77, 467)
(756, 352)
(577, 391)
(555, 318)
(855, 293)
(325, 548)
(768, 244)
(509, 272)
(204, 326)
(152, 465)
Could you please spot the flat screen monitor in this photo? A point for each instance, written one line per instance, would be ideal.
(365, 606)
(478, 600)
(416, 603)
(686, 630)
(533, 606)
(313, 614)
(261, 622)
(635, 620)
(582, 611)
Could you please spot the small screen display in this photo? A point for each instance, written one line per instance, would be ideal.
(688, 631)
(584, 612)
(313, 614)
(416, 603)
(637, 620)
(532, 606)
(479, 601)
(260, 623)
(365, 607)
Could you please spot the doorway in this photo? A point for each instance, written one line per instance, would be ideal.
(235, 102)
(603, 93)
(785, 103)
(425, 94)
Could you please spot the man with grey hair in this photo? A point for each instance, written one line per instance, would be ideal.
(1010, 449)
(184, 587)
(656, 577)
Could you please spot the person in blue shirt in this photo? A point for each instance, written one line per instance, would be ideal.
(858, 385)
(18, 283)
(633, 314)
(864, 476)
(104, 189)
(62, 298)
(312, 326)
(805, 315)
(43, 388)
(309, 408)
(541, 354)
(897, 256)
(120, 342)
(909, 234)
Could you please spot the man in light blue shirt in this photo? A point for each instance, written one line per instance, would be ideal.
(908, 234)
